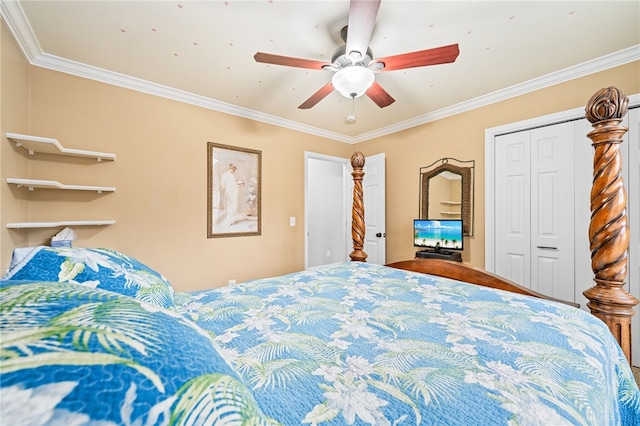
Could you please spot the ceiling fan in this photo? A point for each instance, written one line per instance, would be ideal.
(353, 63)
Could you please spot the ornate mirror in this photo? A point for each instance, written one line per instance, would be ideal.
(446, 191)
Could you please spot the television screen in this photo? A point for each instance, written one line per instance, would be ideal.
(442, 234)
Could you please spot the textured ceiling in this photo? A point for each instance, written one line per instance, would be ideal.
(202, 52)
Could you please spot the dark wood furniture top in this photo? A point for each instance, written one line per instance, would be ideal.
(468, 274)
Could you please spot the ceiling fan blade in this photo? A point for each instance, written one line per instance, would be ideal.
(380, 96)
(362, 18)
(318, 96)
(421, 58)
(288, 61)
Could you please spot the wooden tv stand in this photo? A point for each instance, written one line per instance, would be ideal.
(455, 256)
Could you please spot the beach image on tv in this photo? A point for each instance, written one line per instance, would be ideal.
(433, 233)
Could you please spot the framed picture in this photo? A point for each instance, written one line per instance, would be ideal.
(233, 189)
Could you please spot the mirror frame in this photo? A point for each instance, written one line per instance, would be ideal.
(466, 170)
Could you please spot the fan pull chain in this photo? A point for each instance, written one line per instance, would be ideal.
(351, 118)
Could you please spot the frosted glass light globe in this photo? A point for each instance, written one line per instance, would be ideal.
(353, 81)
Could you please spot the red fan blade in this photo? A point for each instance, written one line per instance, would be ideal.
(287, 61)
(362, 18)
(421, 58)
(318, 96)
(380, 96)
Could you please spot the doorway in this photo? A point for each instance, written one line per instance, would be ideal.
(328, 202)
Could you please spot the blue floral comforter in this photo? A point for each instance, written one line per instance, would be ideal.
(74, 355)
(95, 337)
(91, 337)
(355, 343)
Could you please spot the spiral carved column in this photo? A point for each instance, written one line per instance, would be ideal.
(609, 228)
(357, 211)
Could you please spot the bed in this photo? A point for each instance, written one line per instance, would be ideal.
(93, 336)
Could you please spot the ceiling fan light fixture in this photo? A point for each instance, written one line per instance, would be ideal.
(353, 81)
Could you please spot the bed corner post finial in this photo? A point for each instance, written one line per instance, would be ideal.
(357, 211)
(609, 228)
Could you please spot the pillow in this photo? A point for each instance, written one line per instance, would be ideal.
(100, 268)
(77, 355)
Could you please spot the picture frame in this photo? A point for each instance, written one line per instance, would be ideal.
(234, 188)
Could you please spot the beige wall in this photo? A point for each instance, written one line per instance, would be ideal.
(462, 137)
(160, 173)
(161, 170)
(14, 101)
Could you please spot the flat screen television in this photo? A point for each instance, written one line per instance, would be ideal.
(438, 234)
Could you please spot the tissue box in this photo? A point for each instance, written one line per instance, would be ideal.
(63, 238)
(61, 243)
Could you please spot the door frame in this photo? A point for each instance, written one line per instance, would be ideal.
(633, 203)
(347, 196)
(345, 162)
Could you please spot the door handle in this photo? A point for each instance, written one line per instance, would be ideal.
(547, 248)
(380, 234)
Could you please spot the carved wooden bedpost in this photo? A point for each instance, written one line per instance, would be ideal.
(609, 228)
(357, 211)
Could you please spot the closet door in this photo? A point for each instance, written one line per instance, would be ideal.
(583, 179)
(534, 205)
(633, 214)
(552, 207)
(513, 207)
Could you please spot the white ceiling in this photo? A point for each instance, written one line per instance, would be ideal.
(201, 52)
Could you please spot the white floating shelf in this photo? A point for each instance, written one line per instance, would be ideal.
(451, 213)
(451, 203)
(35, 144)
(52, 184)
(22, 225)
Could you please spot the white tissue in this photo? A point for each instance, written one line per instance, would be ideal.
(63, 238)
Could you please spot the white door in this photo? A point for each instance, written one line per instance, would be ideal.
(326, 218)
(512, 207)
(583, 180)
(373, 186)
(534, 209)
(552, 220)
(633, 214)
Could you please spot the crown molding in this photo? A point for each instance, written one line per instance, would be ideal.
(13, 15)
(56, 63)
(612, 60)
